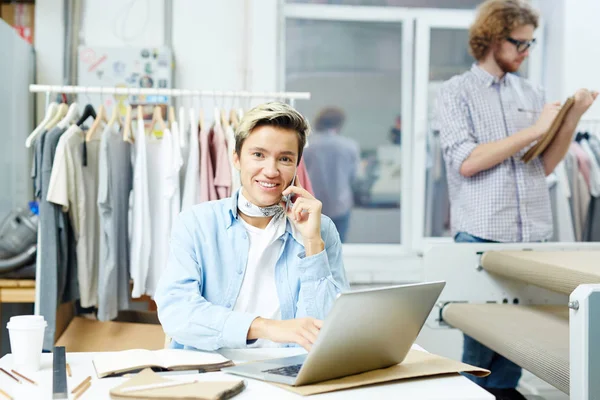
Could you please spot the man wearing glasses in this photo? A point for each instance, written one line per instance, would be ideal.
(489, 118)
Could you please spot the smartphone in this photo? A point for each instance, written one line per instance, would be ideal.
(288, 199)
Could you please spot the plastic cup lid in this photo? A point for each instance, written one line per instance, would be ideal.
(26, 322)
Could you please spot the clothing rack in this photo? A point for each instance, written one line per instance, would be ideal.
(48, 89)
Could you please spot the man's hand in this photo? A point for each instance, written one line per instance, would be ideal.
(305, 214)
(546, 117)
(302, 331)
(584, 99)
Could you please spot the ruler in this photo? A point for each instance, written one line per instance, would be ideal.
(59, 374)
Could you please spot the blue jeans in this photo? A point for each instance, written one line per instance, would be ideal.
(342, 223)
(504, 373)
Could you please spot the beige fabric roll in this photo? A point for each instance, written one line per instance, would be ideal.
(534, 337)
(559, 271)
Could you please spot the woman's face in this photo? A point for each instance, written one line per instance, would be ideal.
(267, 164)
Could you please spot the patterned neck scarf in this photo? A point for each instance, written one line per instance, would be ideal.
(252, 210)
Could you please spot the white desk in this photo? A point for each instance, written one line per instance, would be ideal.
(447, 387)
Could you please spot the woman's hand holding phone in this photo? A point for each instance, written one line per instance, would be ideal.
(305, 214)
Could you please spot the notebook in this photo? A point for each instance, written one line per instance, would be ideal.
(549, 136)
(121, 362)
(148, 385)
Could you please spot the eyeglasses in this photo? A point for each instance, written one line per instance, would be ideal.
(521, 45)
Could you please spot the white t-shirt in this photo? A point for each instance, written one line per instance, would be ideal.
(141, 225)
(258, 294)
(191, 187)
(163, 182)
(75, 187)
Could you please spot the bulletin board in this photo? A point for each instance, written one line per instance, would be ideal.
(131, 67)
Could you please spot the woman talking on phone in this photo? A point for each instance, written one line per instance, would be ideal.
(256, 269)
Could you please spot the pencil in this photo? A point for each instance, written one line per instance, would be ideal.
(155, 386)
(86, 380)
(69, 370)
(23, 376)
(8, 396)
(83, 389)
(3, 370)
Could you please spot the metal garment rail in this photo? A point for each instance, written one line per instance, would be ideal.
(48, 89)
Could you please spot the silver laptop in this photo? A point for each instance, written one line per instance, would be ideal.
(365, 330)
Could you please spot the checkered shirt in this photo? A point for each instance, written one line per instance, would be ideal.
(509, 202)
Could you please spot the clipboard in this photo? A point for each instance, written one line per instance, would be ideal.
(549, 136)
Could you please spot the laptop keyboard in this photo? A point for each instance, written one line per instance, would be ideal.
(290, 370)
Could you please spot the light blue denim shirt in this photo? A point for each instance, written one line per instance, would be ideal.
(207, 261)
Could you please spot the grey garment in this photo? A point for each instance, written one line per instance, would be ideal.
(592, 223)
(58, 270)
(115, 183)
(508, 202)
(36, 165)
(552, 188)
(594, 143)
(580, 195)
(332, 162)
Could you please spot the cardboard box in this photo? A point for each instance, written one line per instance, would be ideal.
(20, 16)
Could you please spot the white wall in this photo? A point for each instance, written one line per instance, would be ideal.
(122, 23)
(221, 45)
(49, 46)
(582, 49)
(572, 54)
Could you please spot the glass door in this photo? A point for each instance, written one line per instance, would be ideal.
(441, 52)
(356, 62)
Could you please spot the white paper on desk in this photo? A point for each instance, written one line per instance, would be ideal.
(122, 361)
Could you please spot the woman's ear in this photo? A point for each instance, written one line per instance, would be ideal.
(236, 160)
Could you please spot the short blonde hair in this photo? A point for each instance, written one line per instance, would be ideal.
(272, 114)
(496, 19)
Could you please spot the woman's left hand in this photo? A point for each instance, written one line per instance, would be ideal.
(305, 214)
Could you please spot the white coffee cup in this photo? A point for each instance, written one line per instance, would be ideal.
(26, 333)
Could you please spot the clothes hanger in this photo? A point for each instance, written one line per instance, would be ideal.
(233, 118)
(100, 117)
(60, 113)
(171, 116)
(140, 116)
(182, 127)
(157, 118)
(127, 133)
(201, 122)
(114, 117)
(50, 111)
(88, 111)
(224, 119)
(72, 116)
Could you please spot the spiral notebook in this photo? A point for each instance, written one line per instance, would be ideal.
(549, 136)
(149, 385)
(119, 362)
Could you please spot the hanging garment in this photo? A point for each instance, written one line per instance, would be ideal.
(184, 145)
(583, 162)
(591, 230)
(57, 275)
(115, 181)
(560, 197)
(191, 188)
(594, 143)
(176, 165)
(221, 163)
(207, 172)
(580, 195)
(163, 181)
(303, 177)
(75, 187)
(236, 182)
(141, 224)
